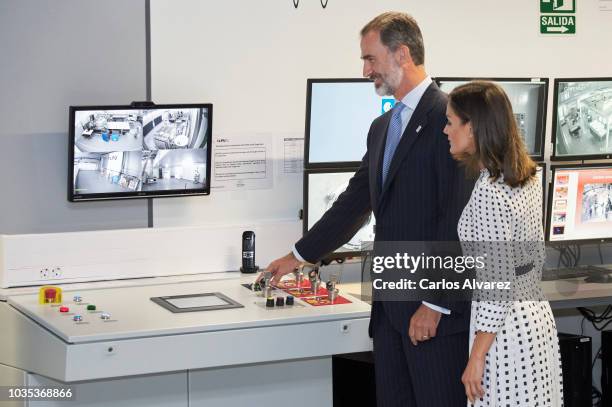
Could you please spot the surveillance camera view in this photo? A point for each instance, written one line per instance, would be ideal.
(584, 118)
(597, 203)
(323, 190)
(140, 150)
(527, 99)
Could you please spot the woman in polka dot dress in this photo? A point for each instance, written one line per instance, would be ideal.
(514, 351)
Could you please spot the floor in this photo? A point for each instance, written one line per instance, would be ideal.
(93, 182)
(95, 144)
(581, 142)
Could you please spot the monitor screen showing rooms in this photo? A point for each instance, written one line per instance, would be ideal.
(123, 152)
(528, 98)
(582, 127)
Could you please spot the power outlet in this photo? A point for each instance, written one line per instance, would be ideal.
(44, 273)
(56, 272)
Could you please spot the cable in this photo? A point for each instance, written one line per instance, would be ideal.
(604, 318)
(595, 358)
(595, 393)
(568, 256)
(594, 319)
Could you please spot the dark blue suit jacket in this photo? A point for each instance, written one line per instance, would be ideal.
(421, 200)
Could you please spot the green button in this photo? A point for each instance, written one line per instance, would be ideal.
(91, 308)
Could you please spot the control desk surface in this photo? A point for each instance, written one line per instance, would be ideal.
(128, 312)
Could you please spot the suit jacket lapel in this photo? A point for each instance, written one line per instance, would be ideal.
(415, 127)
(380, 153)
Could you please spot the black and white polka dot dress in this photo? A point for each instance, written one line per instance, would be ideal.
(523, 366)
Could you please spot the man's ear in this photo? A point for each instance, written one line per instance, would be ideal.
(403, 54)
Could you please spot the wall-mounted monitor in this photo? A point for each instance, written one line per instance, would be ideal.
(582, 119)
(118, 152)
(339, 113)
(580, 203)
(321, 189)
(528, 97)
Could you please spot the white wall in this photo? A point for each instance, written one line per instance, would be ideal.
(252, 58)
(55, 54)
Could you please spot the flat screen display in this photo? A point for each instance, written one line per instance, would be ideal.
(582, 125)
(338, 118)
(197, 301)
(322, 188)
(580, 203)
(120, 152)
(528, 98)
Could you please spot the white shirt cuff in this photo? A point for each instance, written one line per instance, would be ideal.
(297, 255)
(433, 307)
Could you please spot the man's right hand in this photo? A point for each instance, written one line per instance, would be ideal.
(282, 266)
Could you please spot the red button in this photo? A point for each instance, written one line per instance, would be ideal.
(50, 294)
(64, 309)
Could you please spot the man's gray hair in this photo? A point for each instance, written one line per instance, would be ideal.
(397, 29)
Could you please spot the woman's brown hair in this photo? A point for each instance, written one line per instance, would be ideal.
(499, 146)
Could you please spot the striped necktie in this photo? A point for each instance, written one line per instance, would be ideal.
(393, 137)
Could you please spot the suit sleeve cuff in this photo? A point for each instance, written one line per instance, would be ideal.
(297, 255)
(432, 306)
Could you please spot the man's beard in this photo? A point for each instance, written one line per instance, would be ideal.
(390, 83)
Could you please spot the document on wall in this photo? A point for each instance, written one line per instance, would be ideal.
(242, 162)
(605, 5)
(293, 154)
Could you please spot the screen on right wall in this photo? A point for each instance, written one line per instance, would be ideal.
(582, 124)
(322, 188)
(528, 98)
(339, 113)
(580, 203)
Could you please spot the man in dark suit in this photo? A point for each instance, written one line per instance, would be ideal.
(408, 179)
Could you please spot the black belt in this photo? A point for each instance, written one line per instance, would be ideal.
(520, 270)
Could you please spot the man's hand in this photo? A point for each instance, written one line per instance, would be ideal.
(423, 324)
(280, 267)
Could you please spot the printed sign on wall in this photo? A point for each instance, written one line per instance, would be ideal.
(558, 16)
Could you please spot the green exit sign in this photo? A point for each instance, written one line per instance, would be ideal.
(555, 24)
(557, 6)
(558, 16)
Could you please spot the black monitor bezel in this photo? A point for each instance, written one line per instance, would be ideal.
(553, 169)
(327, 164)
(543, 110)
(553, 137)
(72, 197)
(334, 255)
(544, 183)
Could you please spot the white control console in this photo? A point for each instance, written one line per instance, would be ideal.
(109, 332)
(126, 332)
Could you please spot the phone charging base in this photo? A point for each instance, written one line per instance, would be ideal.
(249, 270)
